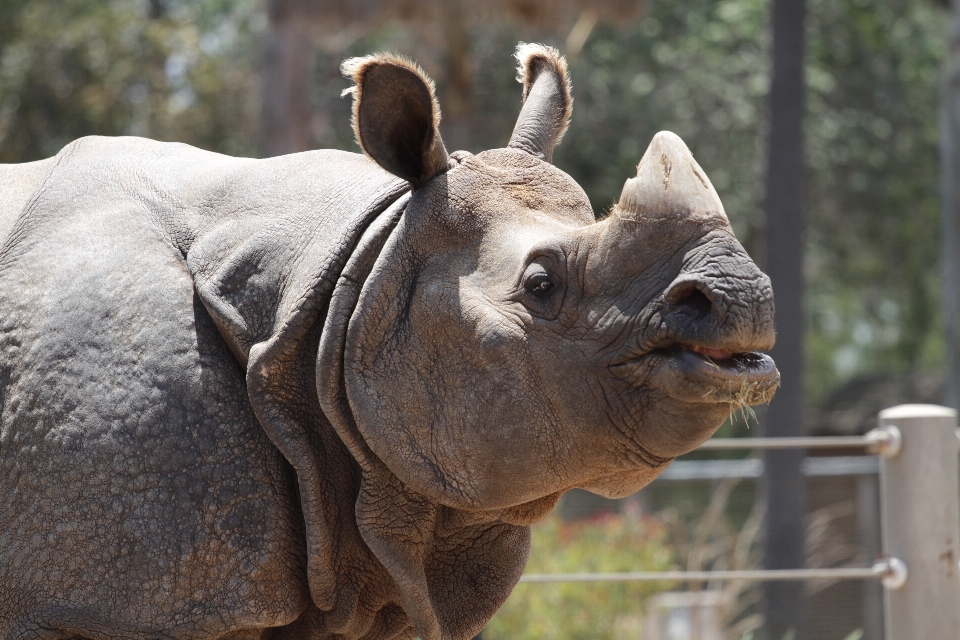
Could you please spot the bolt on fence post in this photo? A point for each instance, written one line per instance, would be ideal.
(920, 515)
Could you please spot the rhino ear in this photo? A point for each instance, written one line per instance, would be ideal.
(396, 117)
(547, 101)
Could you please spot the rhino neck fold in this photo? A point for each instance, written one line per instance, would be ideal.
(281, 384)
(411, 537)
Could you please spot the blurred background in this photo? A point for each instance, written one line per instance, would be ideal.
(835, 171)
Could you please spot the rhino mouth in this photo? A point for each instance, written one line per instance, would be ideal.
(694, 373)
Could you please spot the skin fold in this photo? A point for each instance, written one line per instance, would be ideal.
(324, 395)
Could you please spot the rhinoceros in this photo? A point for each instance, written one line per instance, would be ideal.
(324, 396)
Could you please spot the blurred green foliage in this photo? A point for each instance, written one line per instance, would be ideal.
(585, 611)
(170, 70)
(188, 71)
(874, 240)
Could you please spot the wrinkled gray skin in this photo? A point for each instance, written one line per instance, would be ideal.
(308, 397)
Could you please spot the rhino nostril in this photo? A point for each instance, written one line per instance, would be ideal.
(691, 302)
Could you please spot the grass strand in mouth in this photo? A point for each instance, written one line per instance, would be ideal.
(747, 395)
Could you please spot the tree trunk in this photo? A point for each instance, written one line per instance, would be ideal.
(457, 101)
(785, 224)
(285, 80)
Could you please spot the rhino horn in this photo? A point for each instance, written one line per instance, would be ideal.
(670, 184)
(547, 102)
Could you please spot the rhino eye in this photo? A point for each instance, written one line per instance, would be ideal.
(541, 284)
(542, 288)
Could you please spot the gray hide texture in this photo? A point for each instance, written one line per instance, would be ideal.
(140, 494)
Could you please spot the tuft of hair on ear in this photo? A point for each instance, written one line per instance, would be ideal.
(356, 69)
(533, 59)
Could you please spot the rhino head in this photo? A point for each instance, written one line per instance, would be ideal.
(520, 348)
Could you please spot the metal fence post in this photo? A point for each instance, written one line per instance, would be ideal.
(920, 514)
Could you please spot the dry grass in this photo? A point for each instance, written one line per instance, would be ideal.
(744, 398)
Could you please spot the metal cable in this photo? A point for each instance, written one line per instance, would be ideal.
(846, 573)
(816, 442)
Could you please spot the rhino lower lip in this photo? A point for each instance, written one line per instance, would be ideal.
(717, 364)
(748, 378)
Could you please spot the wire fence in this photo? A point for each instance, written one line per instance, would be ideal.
(920, 516)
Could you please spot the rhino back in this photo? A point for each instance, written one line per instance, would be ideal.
(18, 183)
(138, 492)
